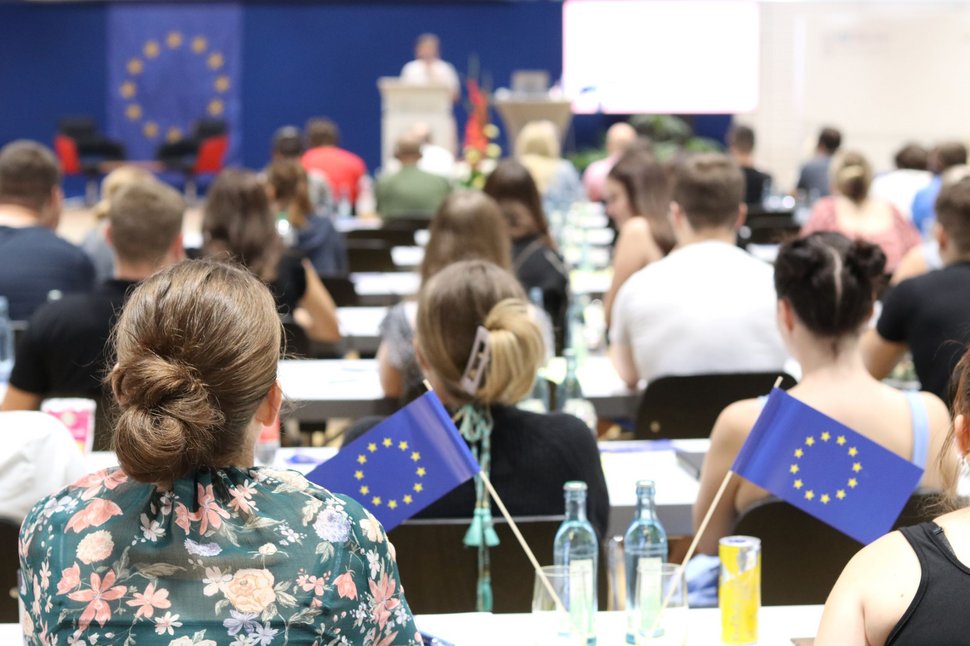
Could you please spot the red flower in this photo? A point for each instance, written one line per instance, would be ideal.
(98, 596)
(95, 514)
(383, 599)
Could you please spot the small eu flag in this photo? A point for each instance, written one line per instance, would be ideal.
(403, 464)
(826, 469)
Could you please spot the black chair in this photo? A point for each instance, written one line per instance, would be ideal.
(768, 227)
(687, 407)
(297, 343)
(387, 234)
(369, 255)
(428, 548)
(9, 564)
(341, 290)
(801, 557)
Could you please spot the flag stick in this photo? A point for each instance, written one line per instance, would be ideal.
(525, 546)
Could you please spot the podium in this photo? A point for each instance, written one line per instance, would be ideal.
(517, 110)
(404, 104)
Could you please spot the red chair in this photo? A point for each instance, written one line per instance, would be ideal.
(208, 162)
(67, 154)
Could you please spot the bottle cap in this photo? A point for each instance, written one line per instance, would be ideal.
(574, 485)
(646, 484)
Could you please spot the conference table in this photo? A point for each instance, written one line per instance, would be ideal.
(320, 389)
(777, 626)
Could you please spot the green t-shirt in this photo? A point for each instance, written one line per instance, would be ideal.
(410, 192)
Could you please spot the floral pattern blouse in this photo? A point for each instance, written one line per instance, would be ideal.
(242, 557)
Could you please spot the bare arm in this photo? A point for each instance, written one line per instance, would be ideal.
(730, 431)
(391, 381)
(912, 264)
(880, 355)
(635, 249)
(17, 399)
(622, 358)
(321, 323)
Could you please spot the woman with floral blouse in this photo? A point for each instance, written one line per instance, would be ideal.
(188, 543)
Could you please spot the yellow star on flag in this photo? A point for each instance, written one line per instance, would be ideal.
(376, 501)
(387, 442)
(799, 453)
(199, 44)
(359, 475)
(421, 471)
(215, 61)
(133, 112)
(365, 490)
(415, 456)
(150, 129)
(362, 459)
(810, 441)
(135, 67)
(418, 487)
(825, 499)
(151, 49)
(809, 494)
(856, 467)
(407, 499)
(372, 447)
(215, 107)
(826, 436)
(840, 494)
(840, 440)
(402, 445)
(392, 504)
(853, 452)
(793, 468)
(222, 84)
(798, 484)
(127, 89)
(853, 482)
(173, 40)
(173, 134)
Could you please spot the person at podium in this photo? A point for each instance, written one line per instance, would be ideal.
(427, 68)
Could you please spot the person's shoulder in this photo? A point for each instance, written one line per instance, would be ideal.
(559, 426)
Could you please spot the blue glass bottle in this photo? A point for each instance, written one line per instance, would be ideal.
(644, 539)
(577, 548)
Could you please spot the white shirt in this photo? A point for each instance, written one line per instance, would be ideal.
(708, 307)
(900, 187)
(38, 457)
(438, 71)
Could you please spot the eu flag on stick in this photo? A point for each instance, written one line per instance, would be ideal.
(826, 469)
(403, 464)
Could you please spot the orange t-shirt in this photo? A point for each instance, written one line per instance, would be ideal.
(342, 168)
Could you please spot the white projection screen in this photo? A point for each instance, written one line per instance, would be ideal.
(660, 56)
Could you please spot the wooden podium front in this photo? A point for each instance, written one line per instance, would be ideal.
(404, 104)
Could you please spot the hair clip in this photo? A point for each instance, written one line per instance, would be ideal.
(471, 380)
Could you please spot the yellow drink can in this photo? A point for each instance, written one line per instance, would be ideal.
(739, 590)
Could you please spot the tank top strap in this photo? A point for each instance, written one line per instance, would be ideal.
(921, 428)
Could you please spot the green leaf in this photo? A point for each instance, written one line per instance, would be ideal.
(156, 570)
(305, 616)
(325, 550)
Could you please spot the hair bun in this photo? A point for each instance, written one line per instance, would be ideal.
(866, 259)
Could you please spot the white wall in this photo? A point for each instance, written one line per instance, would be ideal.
(882, 72)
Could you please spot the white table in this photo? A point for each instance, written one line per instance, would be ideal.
(777, 625)
(360, 327)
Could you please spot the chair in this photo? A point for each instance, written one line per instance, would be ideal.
(428, 548)
(687, 407)
(387, 235)
(341, 290)
(801, 557)
(9, 564)
(369, 255)
(768, 227)
(296, 342)
(67, 154)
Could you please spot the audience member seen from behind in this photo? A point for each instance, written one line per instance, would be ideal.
(312, 235)
(469, 225)
(757, 184)
(929, 315)
(536, 261)
(537, 148)
(187, 539)
(342, 168)
(813, 178)
(95, 243)
(708, 306)
(410, 192)
(474, 309)
(237, 225)
(638, 199)
(288, 144)
(35, 263)
(908, 586)
(900, 186)
(826, 287)
(854, 213)
(942, 158)
(62, 352)
(619, 138)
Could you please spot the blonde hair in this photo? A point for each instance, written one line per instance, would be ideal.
(451, 307)
(114, 181)
(852, 175)
(537, 147)
(197, 345)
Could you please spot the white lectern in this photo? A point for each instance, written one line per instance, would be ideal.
(404, 104)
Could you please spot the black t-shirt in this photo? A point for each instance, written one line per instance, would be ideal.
(62, 352)
(931, 314)
(536, 265)
(290, 283)
(34, 262)
(756, 184)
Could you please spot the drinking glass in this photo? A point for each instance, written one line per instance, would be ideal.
(567, 624)
(660, 624)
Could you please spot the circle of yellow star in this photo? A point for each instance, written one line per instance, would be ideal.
(415, 456)
(840, 440)
(222, 84)
(810, 441)
(362, 459)
(418, 487)
(133, 112)
(365, 490)
(825, 499)
(358, 475)
(150, 129)
(420, 471)
(135, 67)
(376, 501)
(407, 499)
(387, 442)
(372, 447)
(840, 494)
(151, 49)
(127, 89)
(799, 453)
(215, 107)
(402, 445)
(173, 40)
(392, 504)
(215, 61)
(199, 44)
(174, 134)
(853, 452)
(798, 484)
(793, 468)
(809, 494)
(853, 482)
(856, 467)
(825, 436)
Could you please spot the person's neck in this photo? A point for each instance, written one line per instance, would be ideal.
(744, 160)
(133, 272)
(16, 216)
(951, 256)
(826, 359)
(720, 234)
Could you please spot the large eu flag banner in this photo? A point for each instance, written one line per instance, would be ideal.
(403, 464)
(826, 469)
(170, 66)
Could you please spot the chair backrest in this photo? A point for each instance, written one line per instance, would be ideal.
(9, 564)
(296, 341)
(768, 227)
(426, 549)
(77, 127)
(66, 150)
(388, 235)
(341, 290)
(687, 407)
(369, 256)
(212, 152)
(802, 557)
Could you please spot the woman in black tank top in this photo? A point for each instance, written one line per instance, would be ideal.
(911, 586)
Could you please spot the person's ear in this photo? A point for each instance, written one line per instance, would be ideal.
(786, 316)
(961, 433)
(942, 239)
(107, 235)
(269, 408)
